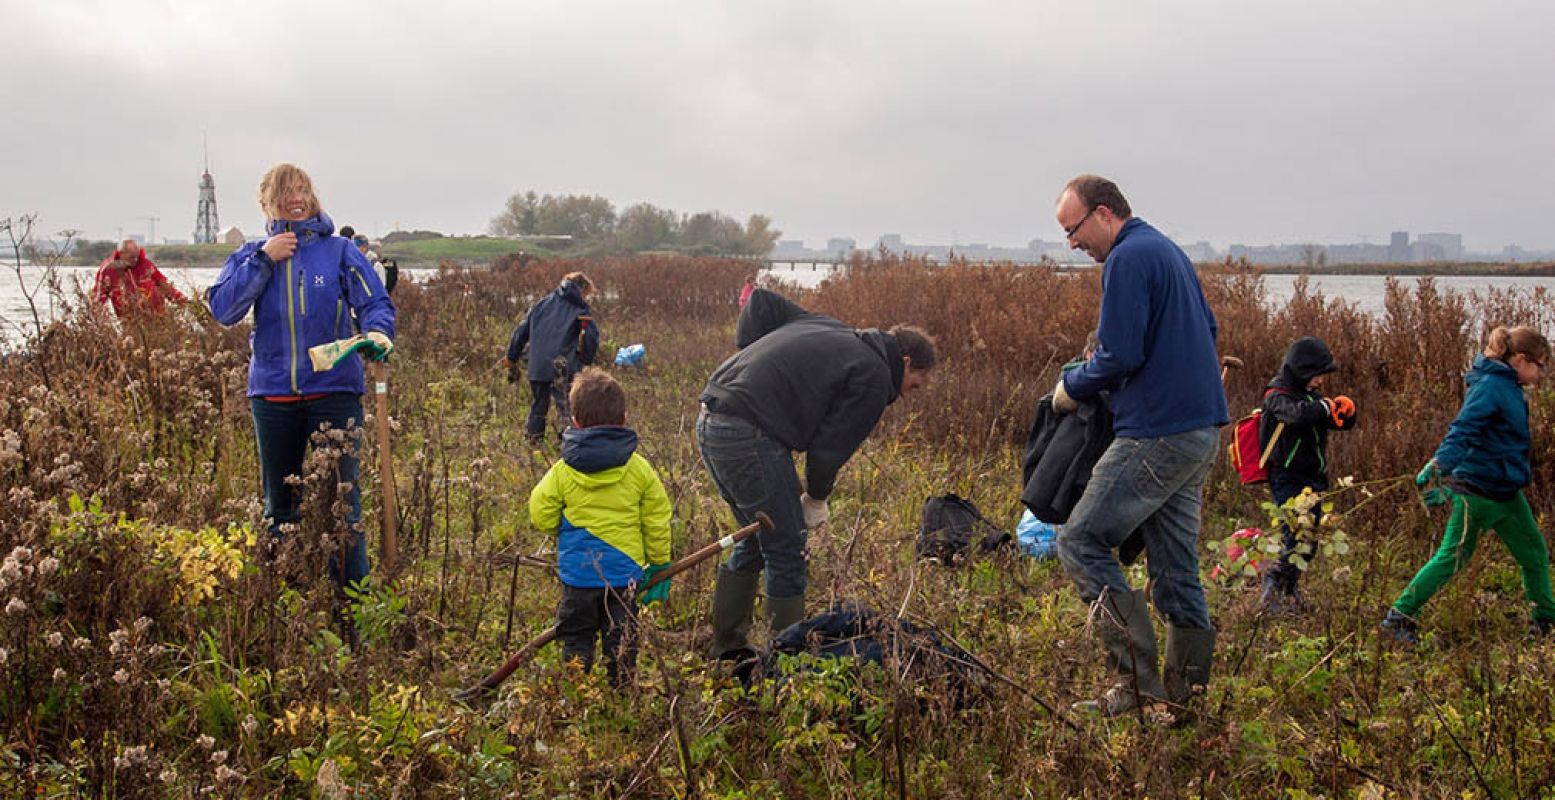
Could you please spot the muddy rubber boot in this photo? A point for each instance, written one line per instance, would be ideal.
(1123, 627)
(783, 612)
(1189, 652)
(734, 597)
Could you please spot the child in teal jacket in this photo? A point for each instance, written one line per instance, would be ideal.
(1483, 463)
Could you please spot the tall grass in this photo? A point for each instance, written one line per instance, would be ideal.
(157, 647)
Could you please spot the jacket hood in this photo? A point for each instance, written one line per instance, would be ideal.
(600, 448)
(1486, 367)
(884, 344)
(1307, 358)
(570, 292)
(308, 231)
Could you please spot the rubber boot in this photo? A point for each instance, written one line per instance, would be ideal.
(734, 597)
(1129, 641)
(1189, 652)
(783, 612)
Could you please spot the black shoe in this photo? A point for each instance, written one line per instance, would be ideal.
(1542, 628)
(1402, 628)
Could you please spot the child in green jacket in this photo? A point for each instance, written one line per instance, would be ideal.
(1482, 467)
(612, 518)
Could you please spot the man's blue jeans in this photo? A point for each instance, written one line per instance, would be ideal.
(1154, 485)
(755, 473)
(283, 431)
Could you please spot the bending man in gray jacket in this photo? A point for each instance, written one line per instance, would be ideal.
(800, 382)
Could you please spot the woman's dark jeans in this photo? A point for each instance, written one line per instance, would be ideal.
(283, 431)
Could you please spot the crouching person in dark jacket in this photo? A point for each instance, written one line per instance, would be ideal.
(561, 338)
(801, 382)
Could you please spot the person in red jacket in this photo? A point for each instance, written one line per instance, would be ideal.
(129, 280)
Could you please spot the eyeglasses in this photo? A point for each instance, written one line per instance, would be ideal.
(1070, 231)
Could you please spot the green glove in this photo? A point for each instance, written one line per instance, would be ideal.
(1436, 497)
(660, 591)
(1427, 473)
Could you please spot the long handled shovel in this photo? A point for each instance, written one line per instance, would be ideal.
(528, 651)
(325, 357)
(389, 543)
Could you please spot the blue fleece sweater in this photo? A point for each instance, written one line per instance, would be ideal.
(1157, 341)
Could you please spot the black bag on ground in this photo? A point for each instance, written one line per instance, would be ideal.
(950, 526)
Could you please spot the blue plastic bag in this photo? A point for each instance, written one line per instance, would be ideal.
(1037, 539)
(630, 356)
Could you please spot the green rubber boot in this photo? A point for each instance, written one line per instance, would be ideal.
(1123, 626)
(1189, 652)
(734, 597)
(783, 612)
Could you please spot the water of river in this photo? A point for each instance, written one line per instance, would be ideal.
(16, 314)
(1366, 291)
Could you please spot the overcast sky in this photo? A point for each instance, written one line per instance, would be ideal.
(1227, 120)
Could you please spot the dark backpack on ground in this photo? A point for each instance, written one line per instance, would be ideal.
(951, 525)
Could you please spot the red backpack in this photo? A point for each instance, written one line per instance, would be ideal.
(1248, 456)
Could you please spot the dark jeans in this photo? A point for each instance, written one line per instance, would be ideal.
(755, 473)
(1283, 485)
(545, 392)
(283, 431)
(584, 615)
(1154, 485)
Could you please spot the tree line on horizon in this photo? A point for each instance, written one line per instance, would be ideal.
(596, 227)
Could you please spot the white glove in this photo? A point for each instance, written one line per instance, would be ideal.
(1062, 402)
(816, 512)
(382, 345)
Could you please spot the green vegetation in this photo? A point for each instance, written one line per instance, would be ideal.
(468, 250)
(152, 647)
(596, 228)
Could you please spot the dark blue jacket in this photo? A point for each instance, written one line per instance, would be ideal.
(306, 300)
(1486, 449)
(560, 324)
(1156, 350)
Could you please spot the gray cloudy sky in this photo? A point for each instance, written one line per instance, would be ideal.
(1227, 120)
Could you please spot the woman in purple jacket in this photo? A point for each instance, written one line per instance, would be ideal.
(305, 287)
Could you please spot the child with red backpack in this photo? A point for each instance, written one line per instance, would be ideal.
(1293, 435)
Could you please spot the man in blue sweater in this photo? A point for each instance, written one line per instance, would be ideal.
(1156, 355)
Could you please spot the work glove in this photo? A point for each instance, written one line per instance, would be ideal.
(1436, 497)
(381, 345)
(657, 593)
(816, 512)
(1062, 402)
(1341, 410)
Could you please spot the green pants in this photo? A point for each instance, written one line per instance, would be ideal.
(1471, 515)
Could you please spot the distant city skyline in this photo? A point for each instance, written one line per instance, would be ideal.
(1402, 248)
